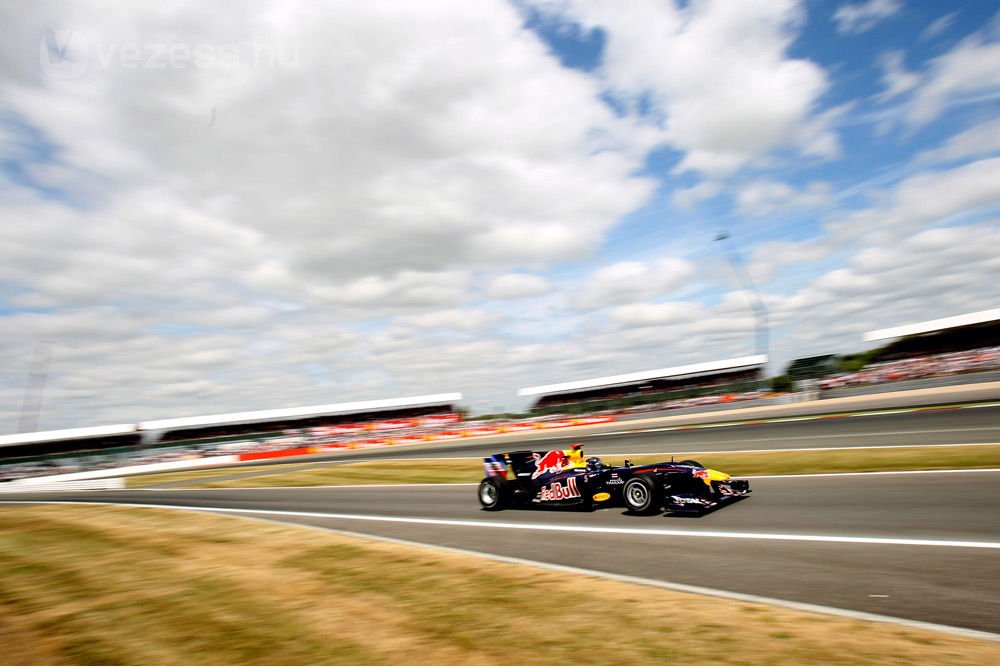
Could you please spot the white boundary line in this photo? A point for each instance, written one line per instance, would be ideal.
(392, 486)
(751, 421)
(839, 435)
(874, 472)
(687, 452)
(814, 449)
(300, 488)
(653, 532)
(641, 581)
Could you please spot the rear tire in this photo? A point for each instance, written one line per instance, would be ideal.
(494, 493)
(642, 495)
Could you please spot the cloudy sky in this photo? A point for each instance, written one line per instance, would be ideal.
(212, 207)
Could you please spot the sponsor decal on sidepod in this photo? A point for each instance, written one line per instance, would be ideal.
(557, 491)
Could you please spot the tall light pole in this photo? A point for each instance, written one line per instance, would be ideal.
(31, 407)
(756, 302)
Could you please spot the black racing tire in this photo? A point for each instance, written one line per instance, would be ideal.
(692, 462)
(641, 495)
(494, 493)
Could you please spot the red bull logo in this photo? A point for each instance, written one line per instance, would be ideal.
(549, 462)
(557, 491)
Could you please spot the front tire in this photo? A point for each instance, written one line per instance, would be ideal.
(494, 493)
(641, 495)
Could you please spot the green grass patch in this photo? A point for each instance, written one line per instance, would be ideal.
(470, 470)
(111, 585)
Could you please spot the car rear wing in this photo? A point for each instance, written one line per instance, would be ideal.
(495, 466)
(511, 464)
(525, 463)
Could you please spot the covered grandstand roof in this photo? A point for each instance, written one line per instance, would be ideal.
(677, 372)
(308, 411)
(67, 434)
(935, 325)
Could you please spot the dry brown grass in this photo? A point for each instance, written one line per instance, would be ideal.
(100, 585)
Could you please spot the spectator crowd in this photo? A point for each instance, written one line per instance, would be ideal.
(915, 368)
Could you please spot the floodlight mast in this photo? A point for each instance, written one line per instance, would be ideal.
(34, 390)
(761, 324)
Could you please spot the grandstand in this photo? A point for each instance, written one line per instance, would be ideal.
(49, 445)
(270, 422)
(91, 446)
(949, 334)
(958, 345)
(620, 392)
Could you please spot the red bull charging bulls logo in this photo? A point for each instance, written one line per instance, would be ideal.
(549, 462)
(557, 491)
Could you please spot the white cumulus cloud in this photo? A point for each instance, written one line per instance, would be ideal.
(853, 19)
(518, 286)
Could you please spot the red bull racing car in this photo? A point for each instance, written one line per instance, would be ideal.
(564, 478)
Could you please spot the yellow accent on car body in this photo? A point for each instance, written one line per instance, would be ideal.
(714, 476)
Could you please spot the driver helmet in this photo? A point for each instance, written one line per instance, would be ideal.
(595, 463)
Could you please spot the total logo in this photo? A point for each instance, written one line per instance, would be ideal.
(687, 500)
(557, 491)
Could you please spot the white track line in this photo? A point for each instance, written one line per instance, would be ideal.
(878, 472)
(655, 532)
(810, 449)
(834, 435)
(750, 421)
(687, 452)
(302, 488)
(394, 486)
(641, 581)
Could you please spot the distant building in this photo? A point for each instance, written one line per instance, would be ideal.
(74, 441)
(108, 440)
(631, 389)
(278, 421)
(808, 368)
(950, 334)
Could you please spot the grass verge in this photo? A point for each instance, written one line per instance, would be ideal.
(104, 585)
(470, 470)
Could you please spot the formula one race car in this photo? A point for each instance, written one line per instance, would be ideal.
(564, 478)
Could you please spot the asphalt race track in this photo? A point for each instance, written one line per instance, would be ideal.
(922, 546)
